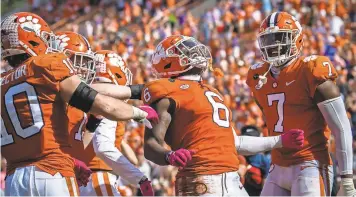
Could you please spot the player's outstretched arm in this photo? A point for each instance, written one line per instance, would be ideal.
(85, 98)
(332, 107)
(249, 145)
(118, 91)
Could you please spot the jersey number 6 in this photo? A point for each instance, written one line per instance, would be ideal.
(217, 107)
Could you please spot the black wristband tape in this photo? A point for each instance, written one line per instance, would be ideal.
(136, 91)
(93, 123)
(83, 97)
(143, 179)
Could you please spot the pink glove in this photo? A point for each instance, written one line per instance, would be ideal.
(293, 138)
(146, 188)
(82, 172)
(152, 114)
(179, 158)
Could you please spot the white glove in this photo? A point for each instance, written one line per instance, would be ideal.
(347, 187)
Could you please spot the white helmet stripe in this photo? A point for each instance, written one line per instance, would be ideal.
(271, 20)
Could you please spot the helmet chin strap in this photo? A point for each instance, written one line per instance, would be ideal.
(275, 71)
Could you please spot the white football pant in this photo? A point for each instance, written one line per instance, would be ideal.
(226, 184)
(31, 181)
(306, 179)
(101, 183)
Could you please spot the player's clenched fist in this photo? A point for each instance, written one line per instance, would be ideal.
(146, 187)
(293, 138)
(180, 157)
(82, 172)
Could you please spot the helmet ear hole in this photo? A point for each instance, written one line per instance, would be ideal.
(33, 43)
(167, 66)
(118, 76)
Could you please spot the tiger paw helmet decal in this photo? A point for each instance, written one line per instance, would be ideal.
(30, 24)
(61, 42)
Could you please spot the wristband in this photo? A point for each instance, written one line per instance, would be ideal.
(143, 179)
(168, 154)
(93, 123)
(136, 91)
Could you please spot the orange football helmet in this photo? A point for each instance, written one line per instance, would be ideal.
(25, 33)
(280, 38)
(178, 54)
(112, 68)
(78, 50)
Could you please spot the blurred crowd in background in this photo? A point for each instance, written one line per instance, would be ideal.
(229, 28)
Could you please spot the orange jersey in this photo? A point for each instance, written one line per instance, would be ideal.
(76, 126)
(287, 103)
(201, 122)
(93, 161)
(33, 115)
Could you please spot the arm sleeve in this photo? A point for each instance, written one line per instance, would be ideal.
(319, 70)
(335, 116)
(104, 147)
(248, 145)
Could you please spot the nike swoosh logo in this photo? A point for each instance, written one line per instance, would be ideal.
(288, 83)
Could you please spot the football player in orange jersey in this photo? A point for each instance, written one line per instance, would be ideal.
(78, 49)
(33, 117)
(104, 154)
(196, 124)
(294, 91)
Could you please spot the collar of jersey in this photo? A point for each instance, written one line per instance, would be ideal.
(190, 77)
(277, 70)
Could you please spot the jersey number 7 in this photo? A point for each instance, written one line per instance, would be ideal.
(280, 98)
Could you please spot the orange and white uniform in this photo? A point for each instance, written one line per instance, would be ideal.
(103, 180)
(201, 123)
(76, 125)
(34, 128)
(103, 154)
(287, 103)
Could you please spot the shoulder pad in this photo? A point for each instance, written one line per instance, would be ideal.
(256, 66)
(318, 69)
(156, 90)
(54, 65)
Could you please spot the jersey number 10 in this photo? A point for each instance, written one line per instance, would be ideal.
(35, 112)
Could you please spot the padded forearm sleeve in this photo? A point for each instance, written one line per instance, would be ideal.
(248, 145)
(334, 113)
